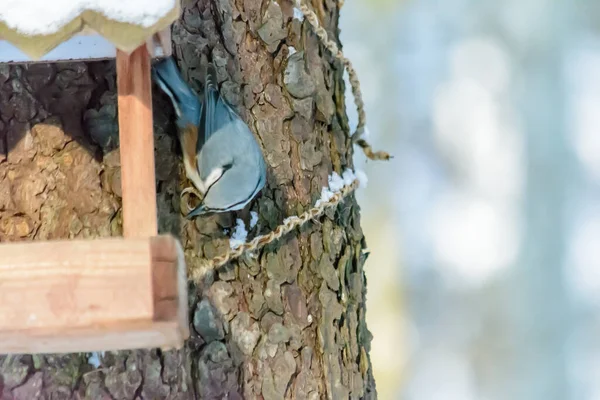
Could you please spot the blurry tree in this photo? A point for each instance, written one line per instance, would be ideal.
(285, 323)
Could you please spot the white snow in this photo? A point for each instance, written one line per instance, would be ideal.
(291, 50)
(239, 235)
(337, 183)
(253, 219)
(94, 359)
(326, 195)
(348, 177)
(298, 14)
(42, 17)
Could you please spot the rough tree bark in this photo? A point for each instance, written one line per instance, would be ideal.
(288, 322)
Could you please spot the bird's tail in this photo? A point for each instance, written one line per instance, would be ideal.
(186, 103)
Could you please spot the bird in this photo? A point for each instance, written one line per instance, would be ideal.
(221, 156)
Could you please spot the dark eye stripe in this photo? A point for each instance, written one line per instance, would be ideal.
(225, 168)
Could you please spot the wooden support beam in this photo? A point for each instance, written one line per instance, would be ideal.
(160, 45)
(164, 37)
(136, 143)
(86, 46)
(105, 294)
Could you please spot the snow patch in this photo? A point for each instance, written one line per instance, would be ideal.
(43, 17)
(239, 235)
(326, 195)
(94, 359)
(336, 183)
(298, 14)
(253, 219)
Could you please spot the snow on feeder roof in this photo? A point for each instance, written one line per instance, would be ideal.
(76, 29)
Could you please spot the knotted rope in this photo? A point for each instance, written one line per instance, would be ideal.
(289, 224)
(357, 136)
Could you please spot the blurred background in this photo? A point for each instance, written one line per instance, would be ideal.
(484, 230)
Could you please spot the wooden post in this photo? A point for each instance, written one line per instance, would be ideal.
(90, 295)
(136, 143)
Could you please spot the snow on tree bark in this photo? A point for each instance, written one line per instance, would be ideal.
(288, 322)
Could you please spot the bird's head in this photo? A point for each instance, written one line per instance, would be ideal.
(233, 186)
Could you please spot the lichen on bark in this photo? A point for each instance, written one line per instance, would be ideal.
(287, 322)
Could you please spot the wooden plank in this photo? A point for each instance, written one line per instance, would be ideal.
(169, 284)
(107, 294)
(137, 143)
(100, 338)
(164, 37)
(159, 44)
(85, 46)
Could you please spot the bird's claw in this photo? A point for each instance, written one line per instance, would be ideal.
(187, 190)
(191, 189)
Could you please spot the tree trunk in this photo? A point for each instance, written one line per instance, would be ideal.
(288, 322)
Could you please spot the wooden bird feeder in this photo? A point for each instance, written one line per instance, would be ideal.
(105, 294)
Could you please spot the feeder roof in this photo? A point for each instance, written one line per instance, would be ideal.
(38, 26)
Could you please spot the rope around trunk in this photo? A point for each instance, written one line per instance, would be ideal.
(288, 225)
(291, 223)
(357, 136)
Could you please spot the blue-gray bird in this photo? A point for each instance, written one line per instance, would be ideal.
(221, 155)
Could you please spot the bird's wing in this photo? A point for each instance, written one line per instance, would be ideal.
(216, 113)
(219, 150)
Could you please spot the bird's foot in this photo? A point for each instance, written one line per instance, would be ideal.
(187, 190)
(191, 189)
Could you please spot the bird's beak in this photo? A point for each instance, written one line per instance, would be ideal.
(200, 210)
